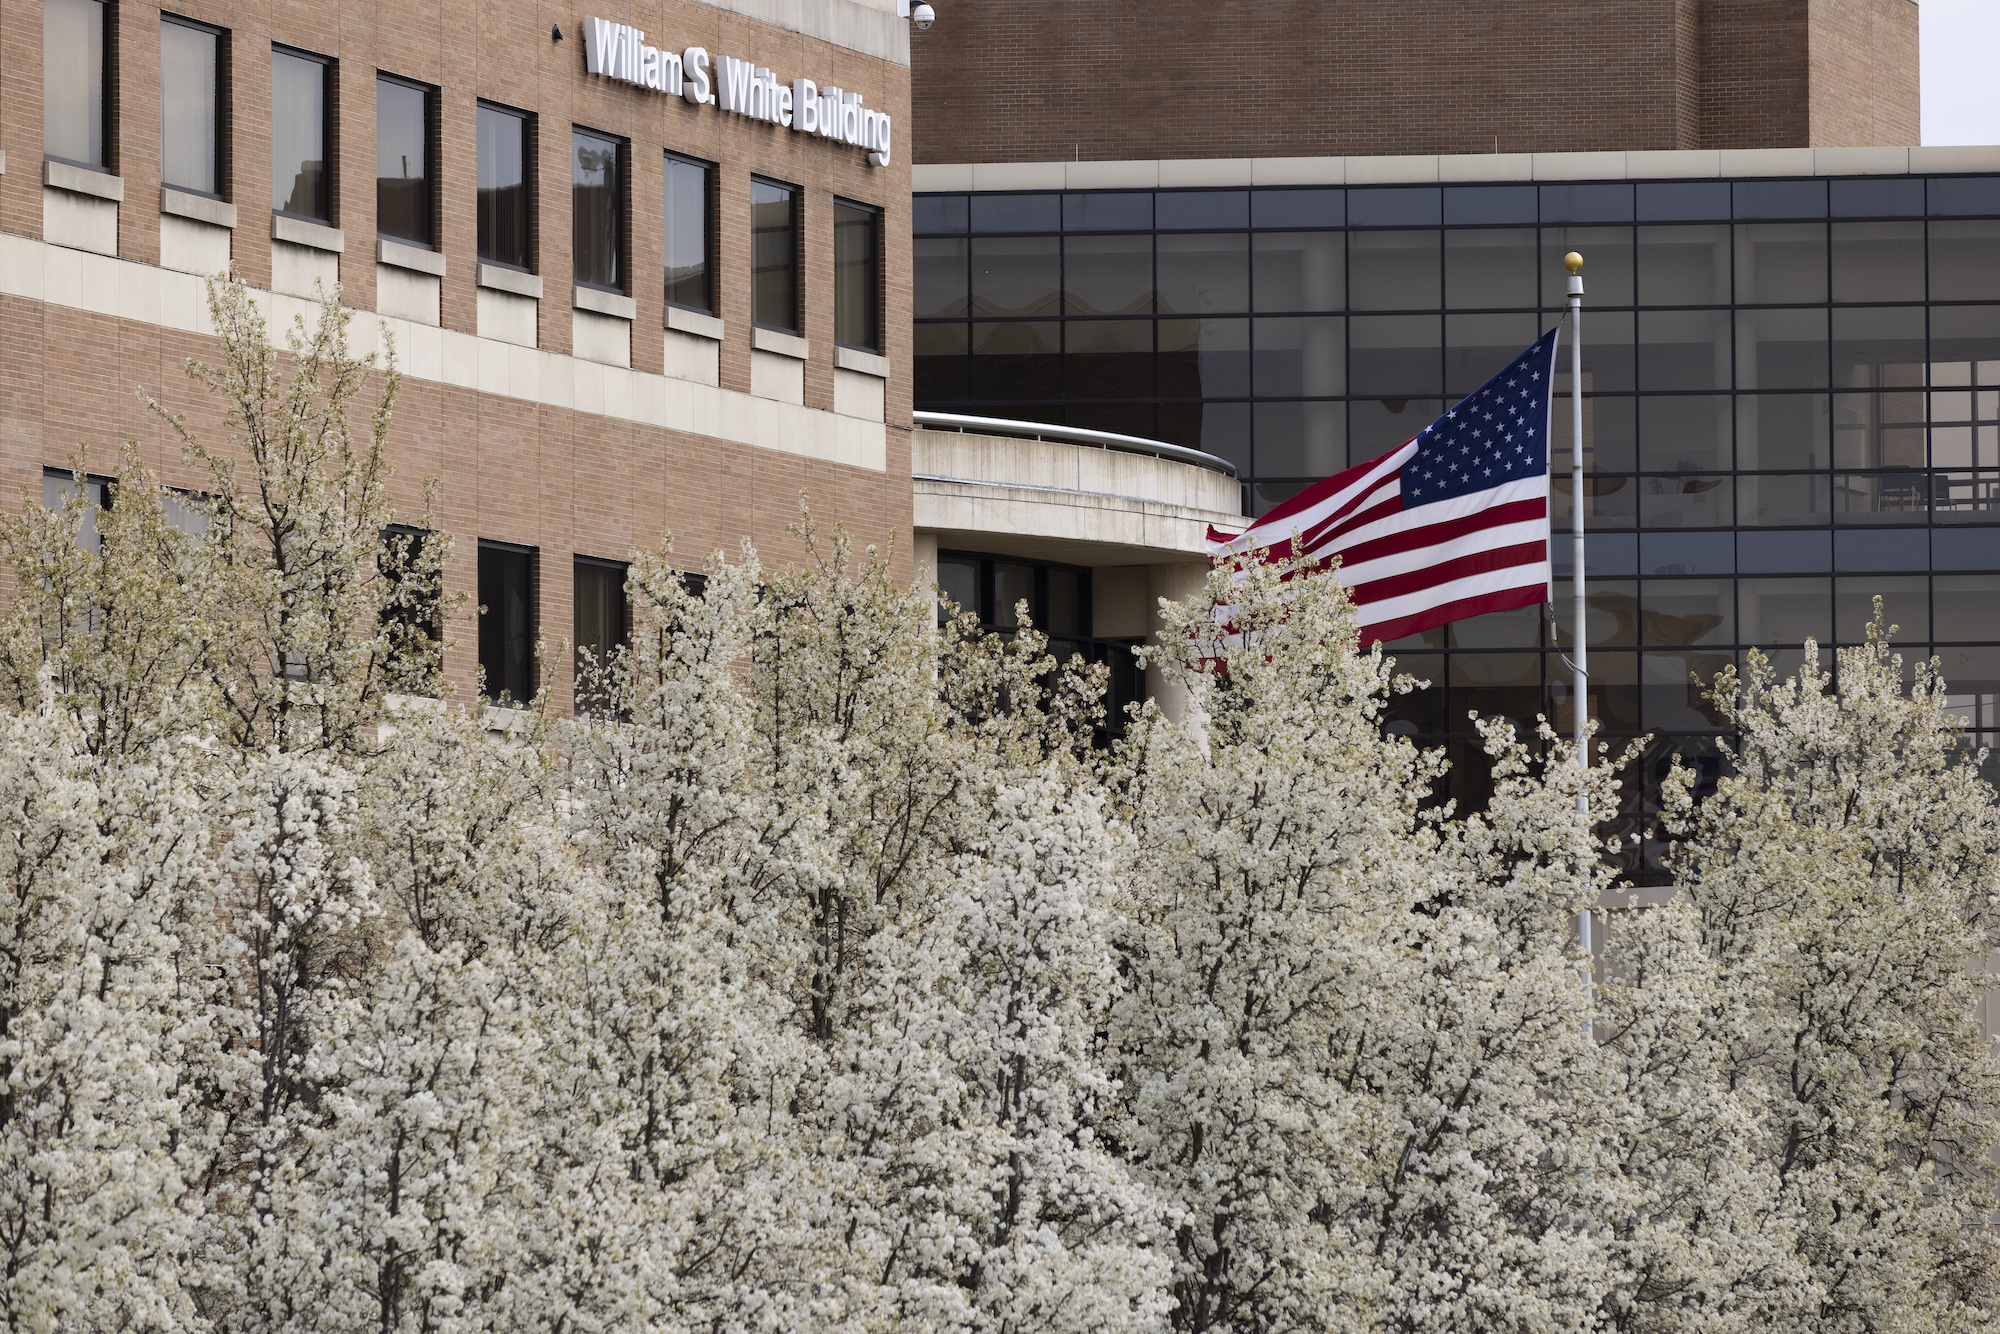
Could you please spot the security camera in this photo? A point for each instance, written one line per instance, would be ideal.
(922, 17)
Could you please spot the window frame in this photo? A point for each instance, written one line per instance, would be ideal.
(532, 599)
(797, 326)
(433, 97)
(329, 133)
(220, 129)
(876, 294)
(621, 200)
(529, 138)
(106, 96)
(708, 229)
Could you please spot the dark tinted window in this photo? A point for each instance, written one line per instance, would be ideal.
(507, 622)
(687, 234)
(603, 627)
(1107, 212)
(503, 187)
(73, 47)
(857, 276)
(774, 256)
(300, 178)
(938, 213)
(190, 112)
(597, 191)
(405, 114)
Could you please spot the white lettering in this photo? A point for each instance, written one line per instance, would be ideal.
(883, 134)
(784, 116)
(733, 78)
(599, 36)
(805, 106)
(694, 65)
(670, 65)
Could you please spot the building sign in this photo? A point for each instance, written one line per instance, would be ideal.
(619, 51)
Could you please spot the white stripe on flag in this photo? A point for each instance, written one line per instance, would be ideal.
(1357, 577)
(1472, 585)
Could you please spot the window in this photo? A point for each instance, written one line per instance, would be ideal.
(405, 124)
(687, 235)
(857, 276)
(774, 255)
(190, 105)
(503, 187)
(597, 183)
(57, 486)
(74, 50)
(301, 175)
(410, 616)
(603, 627)
(507, 621)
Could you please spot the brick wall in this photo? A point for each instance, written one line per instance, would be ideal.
(567, 482)
(1043, 80)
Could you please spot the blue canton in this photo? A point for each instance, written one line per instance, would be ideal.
(1496, 434)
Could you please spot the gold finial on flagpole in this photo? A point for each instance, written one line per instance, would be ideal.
(1573, 262)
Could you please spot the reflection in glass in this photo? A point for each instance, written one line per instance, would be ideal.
(298, 135)
(686, 240)
(1965, 259)
(1015, 275)
(1394, 271)
(1684, 434)
(1689, 611)
(1966, 606)
(1301, 439)
(1783, 500)
(1016, 361)
(1607, 354)
(597, 209)
(1110, 359)
(774, 255)
(1300, 356)
(1878, 348)
(1965, 497)
(1221, 429)
(1684, 502)
(1185, 210)
(857, 276)
(1965, 339)
(1891, 497)
(1785, 611)
(503, 187)
(1878, 261)
(1012, 585)
(1686, 553)
(1781, 349)
(1780, 263)
(1489, 268)
(958, 585)
(189, 112)
(1378, 425)
(1396, 355)
(1783, 430)
(1478, 347)
(1683, 349)
(402, 161)
(1613, 501)
(1201, 275)
(1682, 266)
(1106, 212)
(1905, 604)
(73, 82)
(1609, 436)
(1108, 275)
(1879, 430)
(1202, 358)
(1612, 614)
(939, 283)
(1675, 691)
(1016, 213)
(941, 368)
(939, 213)
(1293, 271)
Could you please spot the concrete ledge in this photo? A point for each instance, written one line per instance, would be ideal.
(1392, 170)
(1580, 167)
(1693, 162)
(409, 257)
(783, 344)
(605, 303)
(313, 235)
(1955, 159)
(1486, 167)
(510, 280)
(83, 181)
(694, 322)
(1210, 171)
(201, 208)
(866, 363)
(1766, 162)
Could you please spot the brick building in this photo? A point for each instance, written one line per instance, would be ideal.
(1095, 80)
(703, 371)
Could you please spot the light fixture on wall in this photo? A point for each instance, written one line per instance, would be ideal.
(921, 16)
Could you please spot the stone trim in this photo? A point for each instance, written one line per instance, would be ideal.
(694, 322)
(414, 258)
(783, 344)
(606, 303)
(313, 235)
(83, 181)
(865, 363)
(510, 280)
(201, 208)
(1688, 164)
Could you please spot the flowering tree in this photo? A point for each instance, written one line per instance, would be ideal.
(825, 975)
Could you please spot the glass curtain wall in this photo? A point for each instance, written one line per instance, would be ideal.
(1792, 403)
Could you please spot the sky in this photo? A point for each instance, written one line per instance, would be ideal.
(1959, 43)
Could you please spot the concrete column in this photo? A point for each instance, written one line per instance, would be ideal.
(1174, 582)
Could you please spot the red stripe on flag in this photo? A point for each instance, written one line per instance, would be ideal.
(1478, 562)
(1432, 534)
(1507, 599)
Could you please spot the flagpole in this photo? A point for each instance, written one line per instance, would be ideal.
(1579, 693)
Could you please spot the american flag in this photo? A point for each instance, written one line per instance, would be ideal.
(1451, 524)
